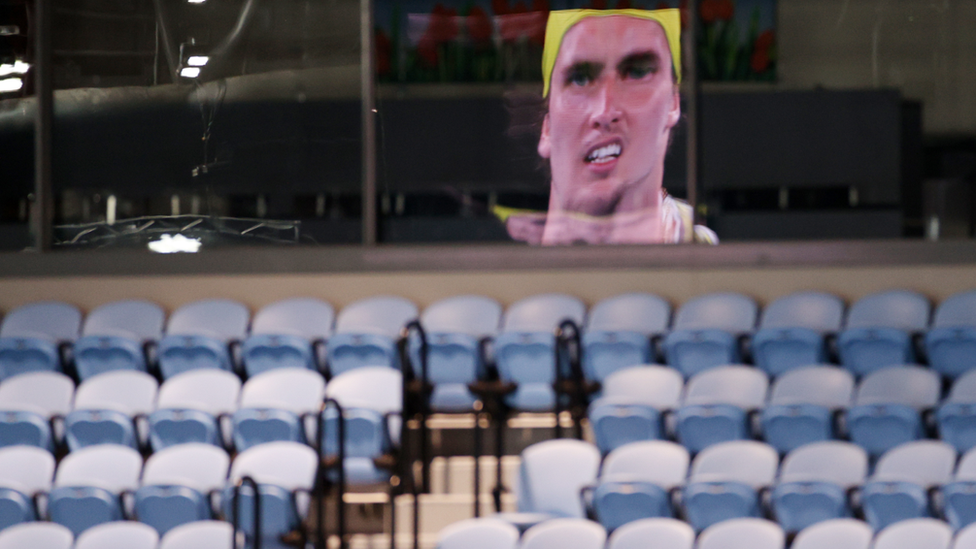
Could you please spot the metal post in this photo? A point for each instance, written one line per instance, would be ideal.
(42, 208)
(693, 95)
(369, 122)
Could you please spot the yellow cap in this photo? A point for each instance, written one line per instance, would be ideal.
(562, 20)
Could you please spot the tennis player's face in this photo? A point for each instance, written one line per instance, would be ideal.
(612, 104)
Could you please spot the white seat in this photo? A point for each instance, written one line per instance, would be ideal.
(653, 533)
(27, 469)
(36, 535)
(127, 391)
(204, 534)
(45, 393)
(297, 390)
(289, 465)
(565, 533)
(118, 535)
(746, 461)
(111, 467)
(843, 533)
(919, 533)
(202, 467)
(743, 533)
(208, 390)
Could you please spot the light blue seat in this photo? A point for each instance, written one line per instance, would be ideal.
(479, 533)
(195, 406)
(287, 334)
(814, 481)
(636, 481)
(634, 404)
(455, 328)
(706, 332)
(792, 331)
(367, 332)
(110, 408)
(956, 416)
(199, 335)
(743, 533)
(842, 533)
(965, 538)
(29, 404)
(920, 533)
(36, 535)
(203, 534)
(889, 407)
(24, 472)
(879, 330)
(115, 336)
(803, 404)
(274, 405)
(653, 533)
(118, 535)
(959, 495)
(372, 401)
(951, 341)
(725, 481)
(285, 473)
(31, 337)
(619, 332)
(564, 533)
(177, 483)
(88, 485)
(718, 406)
(525, 349)
(898, 489)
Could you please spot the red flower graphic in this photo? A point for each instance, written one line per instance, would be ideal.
(479, 26)
(384, 51)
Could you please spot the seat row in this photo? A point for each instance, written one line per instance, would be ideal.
(118, 535)
(885, 408)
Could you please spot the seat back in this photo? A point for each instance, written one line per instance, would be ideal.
(288, 465)
(743, 533)
(375, 388)
(966, 469)
(912, 386)
(660, 462)
(118, 535)
(543, 313)
(841, 463)
(125, 391)
(963, 389)
(653, 533)
(741, 386)
(480, 533)
(552, 474)
(204, 534)
(826, 386)
(651, 385)
(36, 535)
(27, 469)
(643, 313)
(732, 312)
(202, 467)
(111, 467)
(379, 315)
(303, 317)
(473, 315)
(133, 319)
(965, 538)
(294, 389)
(745, 461)
(54, 320)
(46, 393)
(843, 533)
(900, 309)
(920, 533)
(221, 319)
(213, 391)
(575, 533)
(923, 462)
(957, 310)
(817, 311)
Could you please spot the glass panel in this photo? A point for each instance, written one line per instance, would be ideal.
(16, 148)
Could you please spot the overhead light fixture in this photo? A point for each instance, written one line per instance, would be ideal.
(190, 72)
(196, 1)
(18, 67)
(11, 85)
(171, 244)
(198, 60)
(9, 30)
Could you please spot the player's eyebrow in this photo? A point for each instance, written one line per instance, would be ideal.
(590, 69)
(648, 59)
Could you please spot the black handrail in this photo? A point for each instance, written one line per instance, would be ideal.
(574, 387)
(235, 511)
(415, 402)
(325, 466)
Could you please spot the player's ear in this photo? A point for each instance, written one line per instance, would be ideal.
(674, 113)
(545, 146)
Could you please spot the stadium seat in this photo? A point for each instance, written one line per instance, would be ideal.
(525, 348)
(653, 533)
(24, 472)
(366, 333)
(802, 406)
(115, 335)
(177, 483)
(792, 331)
(29, 404)
(743, 533)
(814, 481)
(959, 495)
(725, 481)
(706, 332)
(843, 533)
(718, 406)
(190, 407)
(204, 534)
(285, 473)
(108, 407)
(899, 488)
(36, 535)
(956, 416)
(965, 538)
(633, 406)
(879, 330)
(31, 337)
(950, 343)
(118, 535)
(479, 533)
(199, 335)
(274, 404)
(564, 533)
(454, 328)
(88, 485)
(372, 400)
(636, 482)
(284, 335)
(618, 333)
(920, 533)
(891, 406)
